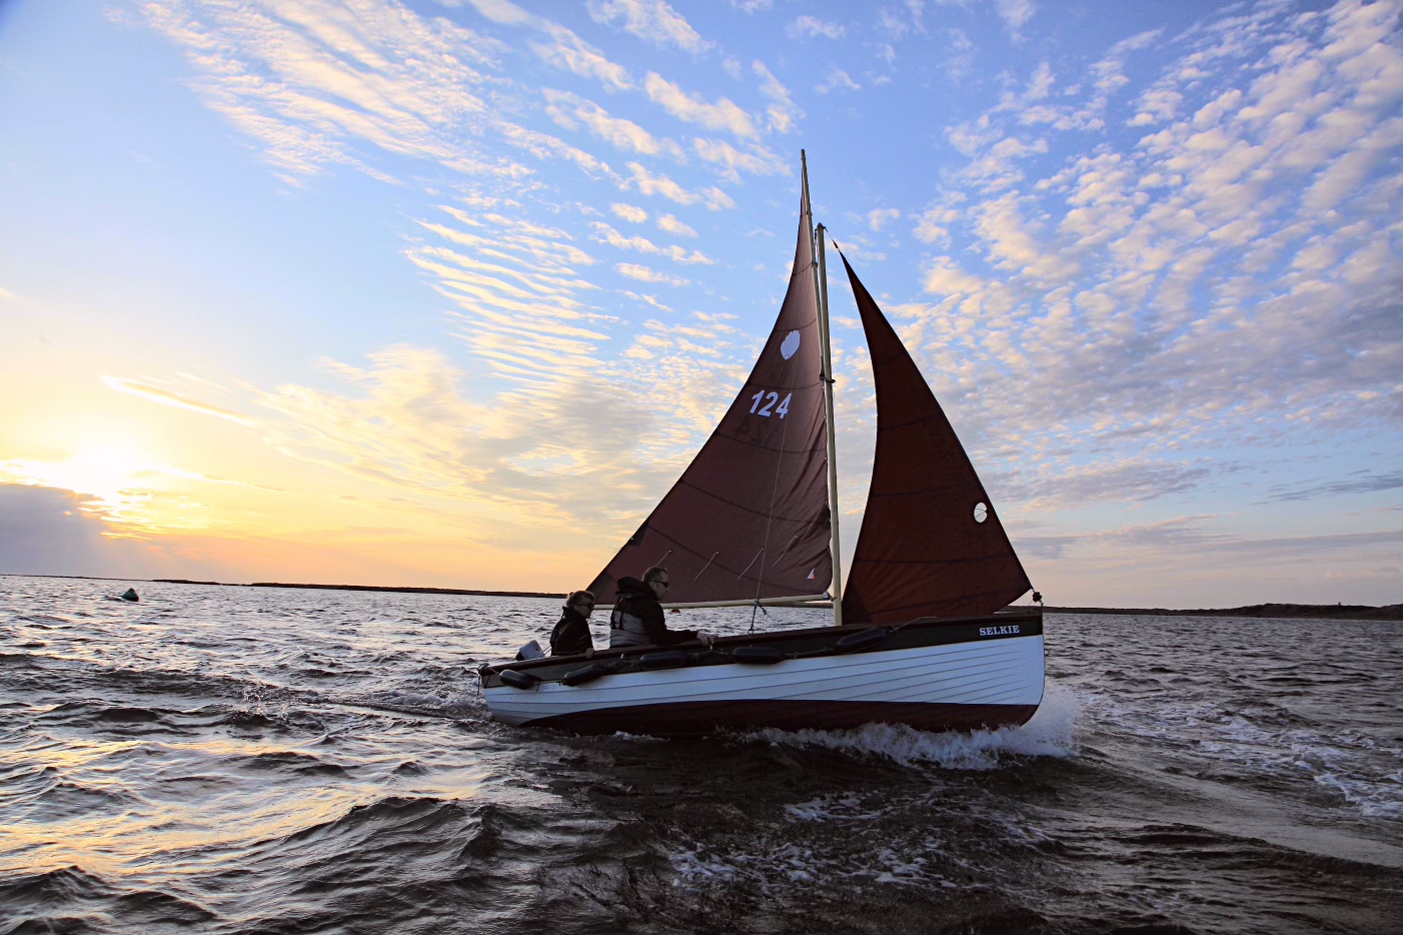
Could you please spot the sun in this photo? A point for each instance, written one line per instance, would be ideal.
(109, 469)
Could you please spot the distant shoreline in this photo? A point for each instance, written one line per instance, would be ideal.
(472, 592)
(1279, 611)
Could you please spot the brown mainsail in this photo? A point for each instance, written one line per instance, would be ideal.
(749, 518)
(931, 544)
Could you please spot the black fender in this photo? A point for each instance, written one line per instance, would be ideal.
(518, 679)
(862, 640)
(586, 673)
(756, 655)
(666, 659)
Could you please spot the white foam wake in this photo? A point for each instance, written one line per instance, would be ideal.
(1051, 732)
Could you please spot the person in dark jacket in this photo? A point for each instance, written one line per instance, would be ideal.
(571, 635)
(638, 620)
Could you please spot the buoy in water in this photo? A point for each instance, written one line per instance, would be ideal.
(130, 595)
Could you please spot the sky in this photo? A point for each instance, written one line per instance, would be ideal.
(404, 292)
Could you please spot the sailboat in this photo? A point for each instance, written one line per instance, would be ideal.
(923, 631)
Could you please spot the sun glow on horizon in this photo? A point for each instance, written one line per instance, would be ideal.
(125, 486)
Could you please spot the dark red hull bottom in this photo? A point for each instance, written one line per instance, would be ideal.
(694, 719)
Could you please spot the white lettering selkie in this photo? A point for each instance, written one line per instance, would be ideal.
(999, 631)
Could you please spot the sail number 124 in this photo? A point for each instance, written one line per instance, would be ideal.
(764, 402)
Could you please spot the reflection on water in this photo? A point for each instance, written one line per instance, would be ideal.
(266, 760)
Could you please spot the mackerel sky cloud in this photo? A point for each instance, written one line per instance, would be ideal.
(469, 282)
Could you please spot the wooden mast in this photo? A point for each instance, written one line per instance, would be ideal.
(821, 294)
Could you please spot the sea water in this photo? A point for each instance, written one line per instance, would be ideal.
(240, 760)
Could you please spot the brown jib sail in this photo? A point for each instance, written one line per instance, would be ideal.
(749, 517)
(931, 544)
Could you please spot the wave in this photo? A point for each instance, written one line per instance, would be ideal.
(290, 761)
(28, 904)
(399, 814)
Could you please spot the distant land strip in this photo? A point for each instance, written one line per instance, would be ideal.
(372, 587)
(1278, 611)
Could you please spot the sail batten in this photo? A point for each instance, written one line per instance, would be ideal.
(931, 544)
(749, 518)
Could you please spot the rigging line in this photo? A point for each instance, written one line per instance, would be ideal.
(707, 565)
(665, 555)
(760, 607)
(752, 562)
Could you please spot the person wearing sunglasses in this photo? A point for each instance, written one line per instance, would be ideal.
(571, 635)
(638, 619)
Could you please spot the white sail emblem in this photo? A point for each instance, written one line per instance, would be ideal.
(790, 345)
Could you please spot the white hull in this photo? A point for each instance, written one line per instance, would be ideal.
(956, 685)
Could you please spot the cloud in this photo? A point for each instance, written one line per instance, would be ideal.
(673, 226)
(1226, 567)
(1191, 537)
(934, 224)
(1015, 13)
(650, 184)
(895, 27)
(644, 274)
(783, 115)
(754, 159)
(810, 27)
(504, 12)
(606, 234)
(516, 291)
(1362, 481)
(49, 531)
(578, 448)
(961, 60)
(307, 82)
(630, 213)
(564, 50)
(881, 217)
(650, 20)
(1219, 273)
(570, 111)
(168, 398)
(1129, 479)
(535, 452)
(568, 52)
(646, 300)
(838, 80)
(690, 108)
(361, 85)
